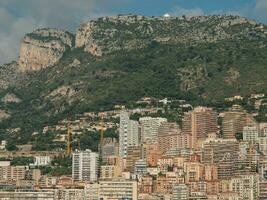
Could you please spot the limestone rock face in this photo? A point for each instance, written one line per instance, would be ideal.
(125, 32)
(4, 115)
(43, 48)
(10, 98)
(85, 38)
(63, 91)
(108, 34)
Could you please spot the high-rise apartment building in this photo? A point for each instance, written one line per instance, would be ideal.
(12, 173)
(263, 145)
(199, 123)
(194, 171)
(211, 172)
(180, 192)
(263, 190)
(117, 189)
(171, 137)
(149, 129)
(146, 184)
(110, 171)
(110, 148)
(228, 166)
(251, 133)
(234, 121)
(214, 150)
(128, 132)
(134, 153)
(140, 167)
(246, 186)
(91, 191)
(85, 165)
(151, 154)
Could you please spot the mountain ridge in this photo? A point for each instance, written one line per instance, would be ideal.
(119, 59)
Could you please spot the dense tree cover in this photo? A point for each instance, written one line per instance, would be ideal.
(11, 145)
(91, 140)
(44, 142)
(22, 161)
(201, 73)
(19, 161)
(61, 161)
(59, 166)
(262, 116)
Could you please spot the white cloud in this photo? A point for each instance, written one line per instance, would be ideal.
(260, 10)
(179, 11)
(20, 17)
(11, 32)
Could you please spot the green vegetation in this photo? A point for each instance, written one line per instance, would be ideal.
(59, 166)
(200, 71)
(19, 161)
(44, 142)
(22, 161)
(11, 145)
(239, 136)
(262, 117)
(91, 140)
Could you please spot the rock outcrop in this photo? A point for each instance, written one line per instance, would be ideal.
(117, 60)
(43, 48)
(108, 34)
(63, 91)
(4, 115)
(125, 32)
(9, 75)
(85, 38)
(10, 98)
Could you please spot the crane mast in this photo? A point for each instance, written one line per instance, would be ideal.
(101, 137)
(68, 148)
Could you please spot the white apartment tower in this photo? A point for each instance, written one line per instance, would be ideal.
(250, 133)
(149, 129)
(129, 133)
(85, 165)
(180, 192)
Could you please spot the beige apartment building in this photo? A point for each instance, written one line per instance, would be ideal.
(234, 121)
(110, 171)
(214, 150)
(118, 189)
(199, 123)
(12, 173)
(170, 137)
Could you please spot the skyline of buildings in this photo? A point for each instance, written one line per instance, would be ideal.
(155, 159)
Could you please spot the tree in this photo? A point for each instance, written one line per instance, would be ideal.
(239, 136)
(11, 146)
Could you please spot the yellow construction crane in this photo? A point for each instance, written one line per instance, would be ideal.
(101, 136)
(69, 140)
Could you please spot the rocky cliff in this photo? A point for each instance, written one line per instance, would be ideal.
(119, 59)
(125, 32)
(43, 48)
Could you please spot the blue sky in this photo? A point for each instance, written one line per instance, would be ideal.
(18, 17)
(157, 7)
